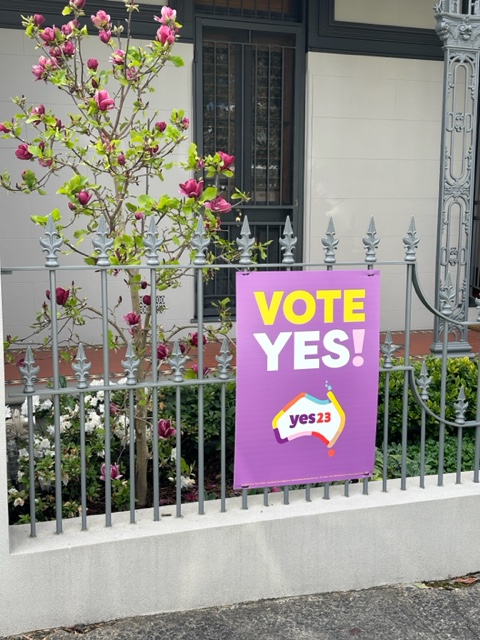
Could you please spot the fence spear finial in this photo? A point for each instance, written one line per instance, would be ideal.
(330, 243)
(288, 242)
(51, 243)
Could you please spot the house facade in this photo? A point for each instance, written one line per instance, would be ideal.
(332, 108)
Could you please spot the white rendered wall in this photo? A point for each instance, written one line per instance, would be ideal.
(372, 149)
(221, 559)
(25, 292)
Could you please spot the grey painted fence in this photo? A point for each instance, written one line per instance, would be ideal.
(412, 383)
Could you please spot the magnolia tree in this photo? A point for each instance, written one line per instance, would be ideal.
(107, 156)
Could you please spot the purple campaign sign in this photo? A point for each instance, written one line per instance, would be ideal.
(307, 376)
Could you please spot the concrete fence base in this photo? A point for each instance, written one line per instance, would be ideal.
(224, 558)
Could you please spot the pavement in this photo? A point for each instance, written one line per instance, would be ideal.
(446, 610)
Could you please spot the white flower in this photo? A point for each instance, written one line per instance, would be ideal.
(35, 405)
(46, 405)
(42, 447)
(51, 429)
(20, 475)
(8, 412)
(93, 421)
(65, 423)
(12, 491)
(75, 411)
(186, 482)
(173, 454)
(19, 502)
(23, 453)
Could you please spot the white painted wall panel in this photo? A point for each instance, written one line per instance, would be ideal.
(372, 149)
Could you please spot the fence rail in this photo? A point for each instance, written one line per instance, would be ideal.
(93, 404)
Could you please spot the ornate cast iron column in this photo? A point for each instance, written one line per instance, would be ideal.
(458, 26)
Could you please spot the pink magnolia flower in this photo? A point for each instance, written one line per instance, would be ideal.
(133, 320)
(67, 29)
(193, 339)
(49, 34)
(105, 36)
(144, 284)
(121, 159)
(218, 205)
(191, 188)
(77, 4)
(147, 300)
(55, 52)
(139, 215)
(195, 369)
(131, 73)
(185, 123)
(38, 20)
(168, 15)
(114, 409)
(4, 128)
(101, 19)
(84, 197)
(165, 35)
(118, 57)
(44, 66)
(68, 49)
(103, 100)
(45, 162)
(38, 111)
(23, 153)
(161, 126)
(227, 161)
(92, 64)
(114, 472)
(61, 295)
(165, 429)
(58, 123)
(163, 352)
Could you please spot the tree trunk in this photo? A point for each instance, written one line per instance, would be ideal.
(141, 406)
(141, 484)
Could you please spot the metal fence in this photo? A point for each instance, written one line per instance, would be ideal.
(412, 382)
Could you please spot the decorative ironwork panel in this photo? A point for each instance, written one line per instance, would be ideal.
(459, 28)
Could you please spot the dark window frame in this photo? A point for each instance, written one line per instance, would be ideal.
(329, 35)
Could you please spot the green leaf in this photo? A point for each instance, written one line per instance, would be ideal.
(208, 194)
(66, 11)
(177, 61)
(41, 220)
